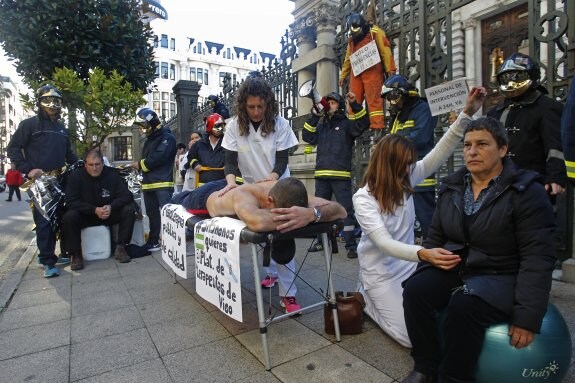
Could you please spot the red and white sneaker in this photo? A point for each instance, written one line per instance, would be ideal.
(268, 282)
(290, 304)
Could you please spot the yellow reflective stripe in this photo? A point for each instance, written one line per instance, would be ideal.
(239, 180)
(397, 126)
(143, 166)
(192, 163)
(376, 113)
(359, 114)
(157, 185)
(428, 182)
(332, 173)
(308, 127)
(570, 165)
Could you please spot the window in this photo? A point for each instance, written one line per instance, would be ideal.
(165, 110)
(155, 96)
(165, 96)
(223, 75)
(172, 109)
(173, 44)
(156, 107)
(155, 41)
(164, 70)
(121, 148)
(206, 76)
(164, 41)
(200, 48)
(200, 76)
(193, 73)
(157, 65)
(172, 71)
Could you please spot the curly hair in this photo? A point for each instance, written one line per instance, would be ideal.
(256, 87)
(387, 174)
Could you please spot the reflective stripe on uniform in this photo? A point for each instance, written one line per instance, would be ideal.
(397, 126)
(332, 173)
(308, 127)
(570, 165)
(143, 166)
(356, 116)
(428, 182)
(157, 185)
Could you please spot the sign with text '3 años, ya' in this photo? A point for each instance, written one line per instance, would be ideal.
(174, 219)
(217, 245)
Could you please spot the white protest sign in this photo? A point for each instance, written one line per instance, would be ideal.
(447, 97)
(364, 58)
(217, 244)
(174, 219)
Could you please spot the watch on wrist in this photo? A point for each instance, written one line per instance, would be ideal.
(317, 214)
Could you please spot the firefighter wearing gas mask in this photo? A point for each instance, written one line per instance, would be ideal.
(157, 165)
(41, 144)
(411, 118)
(334, 134)
(532, 121)
(367, 82)
(207, 156)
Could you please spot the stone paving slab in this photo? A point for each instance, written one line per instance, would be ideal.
(23, 299)
(222, 361)
(331, 364)
(103, 301)
(105, 323)
(50, 366)
(150, 371)
(29, 340)
(28, 285)
(170, 309)
(30, 316)
(109, 353)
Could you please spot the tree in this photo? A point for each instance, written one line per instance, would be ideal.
(41, 35)
(103, 104)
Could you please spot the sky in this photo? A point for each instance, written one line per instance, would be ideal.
(252, 24)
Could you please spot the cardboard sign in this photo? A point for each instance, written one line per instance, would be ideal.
(174, 219)
(447, 97)
(217, 245)
(364, 58)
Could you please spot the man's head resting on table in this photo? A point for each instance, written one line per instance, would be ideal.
(288, 192)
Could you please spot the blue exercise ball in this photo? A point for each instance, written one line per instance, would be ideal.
(546, 359)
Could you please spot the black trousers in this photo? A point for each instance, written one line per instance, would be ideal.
(154, 201)
(11, 190)
(73, 222)
(326, 188)
(466, 318)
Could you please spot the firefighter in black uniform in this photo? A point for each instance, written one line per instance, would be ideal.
(41, 144)
(218, 106)
(207, 156)
(157, 165)
(411, 118)
(334, 136)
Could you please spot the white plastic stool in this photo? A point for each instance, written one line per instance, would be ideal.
(96, 243)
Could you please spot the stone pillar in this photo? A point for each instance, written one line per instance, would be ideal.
(187, 100)
(470, 51)
(326, 69)
(304, 35)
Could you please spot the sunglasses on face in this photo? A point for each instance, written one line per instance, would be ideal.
(51, 102)
(518, 76)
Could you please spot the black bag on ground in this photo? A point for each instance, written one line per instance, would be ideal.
(135, 251)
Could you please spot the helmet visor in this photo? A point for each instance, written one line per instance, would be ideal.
(513, 76)
(51, 102)
(392, 95)
(219, 127)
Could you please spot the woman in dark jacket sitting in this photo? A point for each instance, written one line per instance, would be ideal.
(496, 223)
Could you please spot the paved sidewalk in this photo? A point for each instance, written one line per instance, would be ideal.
(130, 322)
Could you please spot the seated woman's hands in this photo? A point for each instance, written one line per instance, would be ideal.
(440, 258)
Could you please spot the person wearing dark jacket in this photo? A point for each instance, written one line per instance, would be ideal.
(218, 106)
(207, 157)
(568, 132)
(334, 137)
(157, 165)
(13, 181)
(41, 144)
(97, 195)
(493, 229)
(412, 118)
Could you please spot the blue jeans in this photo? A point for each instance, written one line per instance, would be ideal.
(45, 239)
(155, 200)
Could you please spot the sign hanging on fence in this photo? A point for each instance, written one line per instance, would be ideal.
(447, 97)
(217, 245)
(174, 219)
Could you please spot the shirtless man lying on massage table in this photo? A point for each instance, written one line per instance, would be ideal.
(282, 205)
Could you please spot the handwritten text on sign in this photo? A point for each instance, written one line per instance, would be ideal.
(174, 219)
(364, 58)
(447, 97)
(217, 244)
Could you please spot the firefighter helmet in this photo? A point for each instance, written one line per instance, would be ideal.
(147, 120)
(215, 124)
(517, 74)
